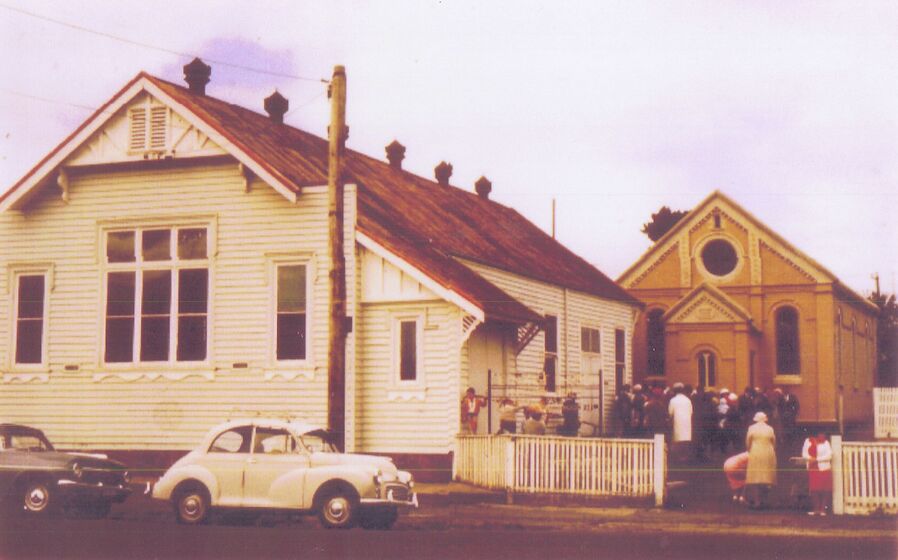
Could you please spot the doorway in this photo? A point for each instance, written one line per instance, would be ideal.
(486, 361)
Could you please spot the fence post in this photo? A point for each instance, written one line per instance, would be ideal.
(455, 447)
(509, 469)
(838, 486)
(658, 464)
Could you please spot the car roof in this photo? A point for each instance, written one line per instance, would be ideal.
(297, 426)
(22, 427)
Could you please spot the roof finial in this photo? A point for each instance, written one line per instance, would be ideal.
(395, 154)
(483, 188)
(442, 172)
(197, 74)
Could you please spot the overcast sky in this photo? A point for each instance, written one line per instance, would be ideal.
(612, 108)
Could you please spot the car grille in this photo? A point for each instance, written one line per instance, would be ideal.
(102, 476)
(397, 493)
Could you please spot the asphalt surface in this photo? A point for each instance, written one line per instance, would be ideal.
(158, 538)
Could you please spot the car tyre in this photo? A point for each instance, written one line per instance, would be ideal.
(338, 510)
(38, 498)
(192, 505)
(378, 519)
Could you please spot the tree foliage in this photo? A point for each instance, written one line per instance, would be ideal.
(662, 221)
(886, 339)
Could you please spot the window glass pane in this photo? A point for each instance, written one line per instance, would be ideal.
(29, 340)
(120, 294)
(232, 441)
(271, 441)
(291, 336)
(408, 367)
(292, 288)
(119, 340)
(120, 246)
(589, 340)
(193, 290)
(156, 298)
(156, 245)
(549, 368)
(551, 333)
(31, 297)
(154, 336)
(191, 339)
(619, 346)
(192, 243)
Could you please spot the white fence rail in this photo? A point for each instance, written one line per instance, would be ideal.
(865, 477)
(885, 410)
(563, 465)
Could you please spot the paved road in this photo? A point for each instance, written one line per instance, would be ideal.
(158, 537)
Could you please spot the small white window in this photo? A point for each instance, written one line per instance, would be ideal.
(408, 350)
(31, 318)
(590, 340)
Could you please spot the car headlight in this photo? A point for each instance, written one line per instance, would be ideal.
(77, 470)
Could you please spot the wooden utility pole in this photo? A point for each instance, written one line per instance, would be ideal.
(336, 348)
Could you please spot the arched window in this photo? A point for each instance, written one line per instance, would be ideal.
(787, 355)
(655, 341)
(707, 369)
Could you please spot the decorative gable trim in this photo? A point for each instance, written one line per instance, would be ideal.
(794, 263)
(707, 304)
(652, 266)
(425, 280)
(21, 191)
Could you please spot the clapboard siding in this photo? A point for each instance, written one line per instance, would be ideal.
(404, 419)
(77, 408)
(573, 309)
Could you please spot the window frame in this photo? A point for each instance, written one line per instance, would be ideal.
(620, 379)
(17, 272)
(797, 339)
(590, 327)
(661, 352)
(551, 355)
(274, 263)
(396, 348)
(174, 265)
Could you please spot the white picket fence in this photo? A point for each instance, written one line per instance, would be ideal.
(563, 465)
(885, 410)
(865, 477)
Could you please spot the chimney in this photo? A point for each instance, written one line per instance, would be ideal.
(276, 106)
(395, 154)
(442, 172)
(483, 188)
(197, 74)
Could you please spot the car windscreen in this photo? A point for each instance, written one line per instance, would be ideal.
(318, 440)
(26, 442)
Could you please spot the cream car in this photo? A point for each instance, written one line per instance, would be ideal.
(285, 465)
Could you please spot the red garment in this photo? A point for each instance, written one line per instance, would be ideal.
(818, 481)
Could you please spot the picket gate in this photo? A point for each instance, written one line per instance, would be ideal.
(885, 411)
(865, 477)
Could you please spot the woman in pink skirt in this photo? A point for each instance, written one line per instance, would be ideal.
(819, 454)
(734, 469)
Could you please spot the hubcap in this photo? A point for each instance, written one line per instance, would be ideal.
(36, 499)
(192, 506)
(337, 509)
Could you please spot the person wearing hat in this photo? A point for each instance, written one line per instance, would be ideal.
(680, 411)
(534, 425)
(470, 409)
(760, 476)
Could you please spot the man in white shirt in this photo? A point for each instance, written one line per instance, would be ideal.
(680, 411)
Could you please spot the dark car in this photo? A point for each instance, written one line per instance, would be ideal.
(37, 479)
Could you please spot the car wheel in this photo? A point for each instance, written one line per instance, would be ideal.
(337, 510)
(37, 497)
(192, 506)
(378, 519)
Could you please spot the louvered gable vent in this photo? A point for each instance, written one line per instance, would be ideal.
(148, 132)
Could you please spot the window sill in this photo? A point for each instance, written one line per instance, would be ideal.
(131, 376)
(787, 380)
(407, 395)
(26, 377)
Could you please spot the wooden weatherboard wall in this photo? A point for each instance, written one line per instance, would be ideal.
(82, 403)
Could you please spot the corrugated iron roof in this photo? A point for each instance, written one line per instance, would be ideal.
(421, 220)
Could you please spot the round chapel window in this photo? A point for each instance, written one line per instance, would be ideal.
(719, 257)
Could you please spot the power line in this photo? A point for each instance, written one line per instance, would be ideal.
(47, 99)
(156, 47)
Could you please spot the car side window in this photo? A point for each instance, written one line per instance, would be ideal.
(235, 440)
(27, 443)
(272, 441)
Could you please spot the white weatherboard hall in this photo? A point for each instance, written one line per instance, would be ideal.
(166, 268)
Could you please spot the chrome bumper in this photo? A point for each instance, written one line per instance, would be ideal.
(119, 492)
(412, 502)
